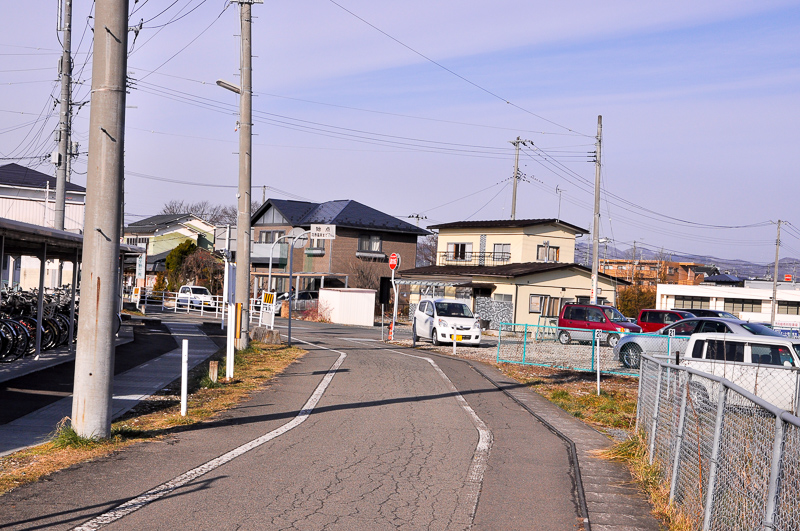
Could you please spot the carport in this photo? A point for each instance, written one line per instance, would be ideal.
(25, 239)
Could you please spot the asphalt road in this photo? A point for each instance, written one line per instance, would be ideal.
(392, 439)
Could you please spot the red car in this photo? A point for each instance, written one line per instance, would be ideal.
(655, 320)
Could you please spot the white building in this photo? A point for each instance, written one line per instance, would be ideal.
(753, 302)
(29, 196)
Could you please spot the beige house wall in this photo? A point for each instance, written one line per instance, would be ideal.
(524, 241)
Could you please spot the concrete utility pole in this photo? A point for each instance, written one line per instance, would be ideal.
(596, 224)
(516, 143)
(245, 172)
(64, 137)
(94, 358)
(775, 276)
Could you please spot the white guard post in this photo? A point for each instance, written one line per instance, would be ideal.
(184, 376)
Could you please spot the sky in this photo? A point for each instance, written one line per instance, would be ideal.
(411, 108)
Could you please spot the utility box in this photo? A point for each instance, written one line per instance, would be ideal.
(352, 306)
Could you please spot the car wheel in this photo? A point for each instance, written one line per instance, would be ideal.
(564, 337)
(612, 340)
(435, 337)
(630, 355)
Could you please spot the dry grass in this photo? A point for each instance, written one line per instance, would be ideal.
(633, 452)
(576, 393)
(153, 418)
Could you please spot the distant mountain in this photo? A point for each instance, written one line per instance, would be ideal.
(742, 268)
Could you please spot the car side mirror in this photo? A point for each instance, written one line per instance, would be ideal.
(787, 363)
(477, 316)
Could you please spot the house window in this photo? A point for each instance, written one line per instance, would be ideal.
(537, 304)
(459, 251)
(463, 293)
(547, 253)
(270, 236)
(691, 302)
(503, 297)
(502, 252)
(317, 244)
(369, 243)
(789, 308)
(138, 241)
(743, 305)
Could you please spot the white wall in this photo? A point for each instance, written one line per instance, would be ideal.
(351, 306)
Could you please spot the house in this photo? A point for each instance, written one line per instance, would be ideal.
(751, 300)
(28, 196)
(365, 238)
(651, 272)
(512, 271)
(160, 234)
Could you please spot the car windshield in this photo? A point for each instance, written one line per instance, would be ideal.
(200, 291)
(796, 350)
(453, 309)
(760, 330)
(614, 315)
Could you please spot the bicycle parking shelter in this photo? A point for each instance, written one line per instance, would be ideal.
(24, 239)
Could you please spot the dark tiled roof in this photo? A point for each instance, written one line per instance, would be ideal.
(723, 278)
(496, 223)
(153, 223)
(343, 213)
(16, 175)
(508, 270)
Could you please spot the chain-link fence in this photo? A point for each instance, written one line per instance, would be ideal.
(582, 349)
(731, 459)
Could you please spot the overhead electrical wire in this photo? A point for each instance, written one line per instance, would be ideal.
(487, 91)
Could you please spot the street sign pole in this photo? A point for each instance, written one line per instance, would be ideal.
(394, 262)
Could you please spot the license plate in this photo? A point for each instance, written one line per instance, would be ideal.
(458, 338)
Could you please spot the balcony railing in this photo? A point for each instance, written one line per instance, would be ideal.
(472, 258)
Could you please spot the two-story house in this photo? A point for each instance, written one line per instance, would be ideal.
(365, 237)
(29, 196)
(519, 271)
(160, 234)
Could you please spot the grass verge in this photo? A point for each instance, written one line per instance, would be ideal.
(155, 417)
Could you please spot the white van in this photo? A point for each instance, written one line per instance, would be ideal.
(767, 366)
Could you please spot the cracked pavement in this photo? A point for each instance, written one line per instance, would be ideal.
(387, 447)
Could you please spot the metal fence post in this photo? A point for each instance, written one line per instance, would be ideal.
(639, 394)
(594, 345)
(712, 472)
(797, 393)
(774, 474)
(679, 441)
(499, 340)
(524, 342)
(654, 427)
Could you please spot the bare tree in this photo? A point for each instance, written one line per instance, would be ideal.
(364, 273)
(426, 250)
(205, 269)
(205, 210)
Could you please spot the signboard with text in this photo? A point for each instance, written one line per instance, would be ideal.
(322, 232)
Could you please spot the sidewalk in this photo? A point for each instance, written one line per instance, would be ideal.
(129, 387)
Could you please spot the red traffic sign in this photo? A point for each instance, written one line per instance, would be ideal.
(393, 261)
(787, 278)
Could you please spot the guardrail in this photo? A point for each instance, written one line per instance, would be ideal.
(731, 459)
(581, 349)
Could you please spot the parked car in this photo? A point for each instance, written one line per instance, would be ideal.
(302, 296)
(194, 297)
(763, 365)
(705, 312)
(630, 348)
(654, 320)
(579, 317)
(445, 321)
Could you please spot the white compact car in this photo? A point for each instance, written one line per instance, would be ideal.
(195, 297)
(445, 321)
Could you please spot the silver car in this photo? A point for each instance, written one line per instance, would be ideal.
(631, 347)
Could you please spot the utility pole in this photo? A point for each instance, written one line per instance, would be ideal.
(245, 171)
(94, 357)
(64, 137)
(596, 224)
(516, 143)
(775, 276)
(417, 217)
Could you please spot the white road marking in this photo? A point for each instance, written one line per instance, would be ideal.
(480, 458)
(165, 488)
